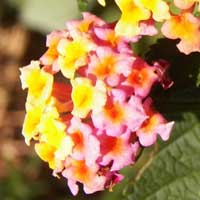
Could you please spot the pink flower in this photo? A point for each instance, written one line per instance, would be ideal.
(117, 150)
(110, 66)
(78, 171)
(108, 37)
(141, 78)
(153, 126)
(86, 145)
(175, 28)
(84, 26)
(118, 116)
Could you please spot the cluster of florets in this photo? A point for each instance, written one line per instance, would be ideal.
(88, 109)
(182, 24)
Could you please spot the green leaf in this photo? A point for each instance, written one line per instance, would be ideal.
(172, 170)
(198, 79)
(83, 5)
(196, 11)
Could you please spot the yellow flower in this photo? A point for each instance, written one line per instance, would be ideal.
(32, 119)
(38, 82)
(46, 153)
(35, 116)
(55, 145)
(132, 14)
(52, 130)
(72, 55)
(65, 148)
(159, 8)
(53, 156)
(87, 97)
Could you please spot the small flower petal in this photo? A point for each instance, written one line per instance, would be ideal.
(87, 97)
(40, 88)
(132, 14)
(175, 28)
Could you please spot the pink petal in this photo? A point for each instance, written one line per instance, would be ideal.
(97, 184)
(147, 27)
(90, 150)
(73, 186)
(96, 20)
(164, 130)
(122, 153)
(146, 139)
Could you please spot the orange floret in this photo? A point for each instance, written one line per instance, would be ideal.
(185, 27)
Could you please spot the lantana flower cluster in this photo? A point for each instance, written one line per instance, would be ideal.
(88, 108)
(183, 25)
